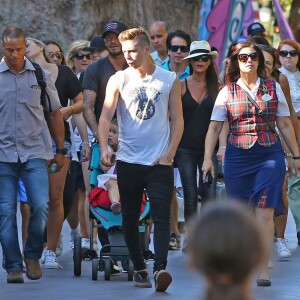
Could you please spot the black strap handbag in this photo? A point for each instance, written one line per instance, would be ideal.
(260, 112)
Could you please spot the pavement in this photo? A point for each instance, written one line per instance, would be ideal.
(187, 283)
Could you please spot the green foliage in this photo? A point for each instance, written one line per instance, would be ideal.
(286, 4)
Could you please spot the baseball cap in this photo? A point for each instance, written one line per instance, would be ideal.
(97, 43)
(255, 28)
(114, 26)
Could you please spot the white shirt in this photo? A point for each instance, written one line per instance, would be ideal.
(220, 112)
(294, 82)
(143, 119)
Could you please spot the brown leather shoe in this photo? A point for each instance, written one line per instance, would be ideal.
(33, 269)
(15, 277)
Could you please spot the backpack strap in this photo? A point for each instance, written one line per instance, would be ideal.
(39, 74)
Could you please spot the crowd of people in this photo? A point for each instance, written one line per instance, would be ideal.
(157, 116)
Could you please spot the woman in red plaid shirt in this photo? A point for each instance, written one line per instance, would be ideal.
(254, 167)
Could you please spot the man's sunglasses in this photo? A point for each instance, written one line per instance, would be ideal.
(175, 48)
(80, 56)
(244, 57)
(204, 58)
(285, 53)
(58, 55)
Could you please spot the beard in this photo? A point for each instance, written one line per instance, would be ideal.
(115, 52)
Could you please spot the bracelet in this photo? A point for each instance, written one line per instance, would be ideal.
(288, 155)
(296, 157)
(72, 109)
(85, 143)
(223, 147)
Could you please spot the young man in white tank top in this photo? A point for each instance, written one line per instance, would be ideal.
(150, 122)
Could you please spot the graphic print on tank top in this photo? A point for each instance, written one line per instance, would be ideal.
(143, 99)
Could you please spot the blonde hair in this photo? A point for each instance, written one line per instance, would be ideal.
(138, 32)
(37, 42)
(74, 48)
(41, 44)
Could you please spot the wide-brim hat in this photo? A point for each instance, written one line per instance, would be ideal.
(97, 43)
(200, 48)
(114, 26)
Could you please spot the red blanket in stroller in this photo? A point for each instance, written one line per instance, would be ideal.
(99, 197)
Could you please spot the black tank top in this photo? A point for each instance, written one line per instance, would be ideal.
(196, 120)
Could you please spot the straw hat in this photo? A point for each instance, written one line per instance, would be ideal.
(200, 48)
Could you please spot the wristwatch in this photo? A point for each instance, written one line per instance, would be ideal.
(63, 151)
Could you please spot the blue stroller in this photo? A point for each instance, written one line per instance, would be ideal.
(102, 216)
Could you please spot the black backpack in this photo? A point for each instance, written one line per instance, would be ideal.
(39, 74)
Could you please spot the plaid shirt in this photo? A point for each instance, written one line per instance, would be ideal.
(245, 126)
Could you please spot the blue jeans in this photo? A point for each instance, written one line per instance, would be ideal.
(35, 178)
(188, 162)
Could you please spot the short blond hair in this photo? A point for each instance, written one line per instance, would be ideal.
(74, 48)
(133, 33)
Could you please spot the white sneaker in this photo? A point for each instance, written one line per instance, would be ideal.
(85, 243)
(73, 234)
(50, 260)
(281, 248)
(60, 246)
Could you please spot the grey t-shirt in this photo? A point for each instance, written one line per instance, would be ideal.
(23, 128)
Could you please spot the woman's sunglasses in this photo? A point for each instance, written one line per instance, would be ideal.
(204, 58)
(58, 55)
(244, 57)
(80, 56)
(285, 53)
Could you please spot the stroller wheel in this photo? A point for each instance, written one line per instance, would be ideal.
(95, 267)
(107, 269)
(130, 270)
(77, 256)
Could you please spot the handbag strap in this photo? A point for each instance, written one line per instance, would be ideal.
(260, 112)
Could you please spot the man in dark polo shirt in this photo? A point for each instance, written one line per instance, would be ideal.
(24, 148)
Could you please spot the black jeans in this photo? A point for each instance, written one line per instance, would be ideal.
(158, 181)
(188, 161)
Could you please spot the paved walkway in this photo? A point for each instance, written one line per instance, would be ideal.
(61, 284)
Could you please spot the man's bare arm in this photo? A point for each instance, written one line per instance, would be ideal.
(89, 101)
(108, 110)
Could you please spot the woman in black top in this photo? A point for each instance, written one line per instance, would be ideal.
(68, 87)
(198, 94)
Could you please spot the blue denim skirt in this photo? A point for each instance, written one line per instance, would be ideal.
(255, 175)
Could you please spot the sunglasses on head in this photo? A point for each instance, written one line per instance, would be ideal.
(285, 53)
(58, 55)
(80, 56)
(175, 48)
(204, 58)
(244, 57)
